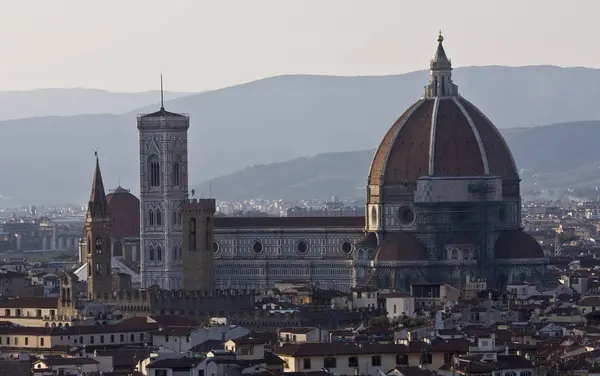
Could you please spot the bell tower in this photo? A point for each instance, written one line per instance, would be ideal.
(163, 187)
(97, 239)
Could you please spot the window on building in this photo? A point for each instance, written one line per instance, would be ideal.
(166, 338)
(91, 339)
(160, 372)
(98, 245)
(26, 341)
(42, 342)
(176, 173)
(8, 340)
(175, 249)
(174, 217)
(101, 339)
(151, 253)
(158, 217)
(132, 337)
(376, 360)
(353, 361)
(112, 338)
(81, 339)
(394, 308)
(16, 341)
(306, 363)
(201, 372)
(401, 360)
(122, 338)
(141, 337)
(192, 233)
(151, 217)
(330, 362)
(525, 373)
(154, 173)
(159, 254)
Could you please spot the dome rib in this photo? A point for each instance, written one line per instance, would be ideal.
(436, 105)
(382, 154)
(506, 154)
(484, 159)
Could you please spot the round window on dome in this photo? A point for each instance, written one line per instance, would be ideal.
(257, 247)
(215, 247)
(302, 247)
(346, 247)
(406, 216)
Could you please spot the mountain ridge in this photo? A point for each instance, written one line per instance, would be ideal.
(274, 119)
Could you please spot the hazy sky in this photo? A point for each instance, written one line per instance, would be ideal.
(123, 45)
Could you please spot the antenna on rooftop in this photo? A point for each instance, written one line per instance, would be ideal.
(162, 99)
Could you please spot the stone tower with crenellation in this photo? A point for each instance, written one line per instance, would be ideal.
(198, 244)
(163, 187)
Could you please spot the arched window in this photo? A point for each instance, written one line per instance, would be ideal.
(158, 217)
(154, 171)
(98, 245)
(118, 249)
(176, 172)
(175, 249)
(192, 234)
(180, 253)
(158, 254)
(455, 254)
(151, 253)
(207, 231)
(174, 218)
(151, 217)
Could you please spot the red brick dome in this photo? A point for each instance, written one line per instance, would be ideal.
(124, 209)
(441, 135)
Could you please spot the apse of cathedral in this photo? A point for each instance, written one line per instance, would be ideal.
(443, 206)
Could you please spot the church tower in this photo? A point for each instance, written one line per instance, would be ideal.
(163, 187)
(97, 238)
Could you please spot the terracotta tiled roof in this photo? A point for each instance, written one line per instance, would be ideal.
(401, 246)
(33, 302)
(517, 244)
(463, 138)
(124, 209)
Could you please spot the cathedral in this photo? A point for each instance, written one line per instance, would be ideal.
(442, 205)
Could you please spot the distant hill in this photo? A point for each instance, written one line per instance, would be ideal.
(554, 156)
(49, 159)
(67, 102)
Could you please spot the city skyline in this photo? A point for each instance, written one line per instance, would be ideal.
(231, 42)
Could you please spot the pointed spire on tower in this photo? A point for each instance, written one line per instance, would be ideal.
(440, 73)
(98, 206)
(162, 98)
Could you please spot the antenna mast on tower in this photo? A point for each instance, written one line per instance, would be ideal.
(162, 99)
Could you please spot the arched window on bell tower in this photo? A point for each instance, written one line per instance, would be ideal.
(159, 254)
(153, 171)
(98, 245)
(192, 233)
(151, 217)
(158, 217)
(151, 253)
(176, 172)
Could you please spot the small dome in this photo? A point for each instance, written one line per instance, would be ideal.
(517, 244)
(124, 209)
(401, 246)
